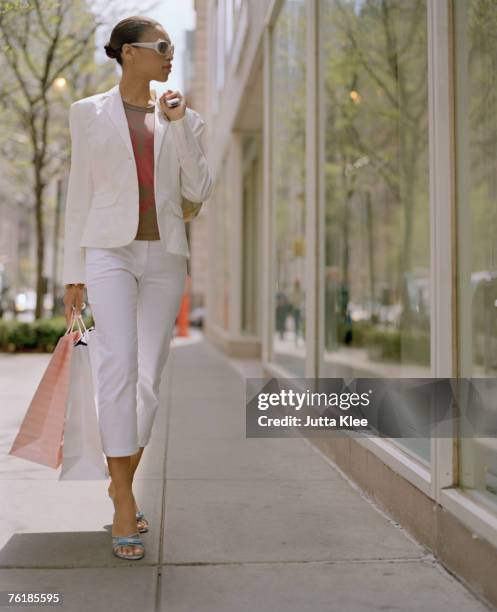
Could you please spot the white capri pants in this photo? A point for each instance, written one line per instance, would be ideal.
(135, 293)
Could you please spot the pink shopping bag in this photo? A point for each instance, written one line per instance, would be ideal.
(40, 437)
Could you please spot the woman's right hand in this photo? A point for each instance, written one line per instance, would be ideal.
(73, 297)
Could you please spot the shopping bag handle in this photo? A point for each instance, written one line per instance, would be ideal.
(78, 319)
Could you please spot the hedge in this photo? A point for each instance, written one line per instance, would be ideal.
(385, 344)
(39, 336)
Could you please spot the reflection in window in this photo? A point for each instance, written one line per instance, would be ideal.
(250, 238)
(229, 27)
(377, 256)
(376, 277)
(288, 198)
(476, 133)
(220, 38)
(222, 257)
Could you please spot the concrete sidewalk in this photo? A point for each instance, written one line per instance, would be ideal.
(236, 524)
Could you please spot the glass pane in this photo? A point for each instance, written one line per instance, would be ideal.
(288, 198)
(220, 43)
(376, 276)
(222, 257)
(250, 240)
(476, 132)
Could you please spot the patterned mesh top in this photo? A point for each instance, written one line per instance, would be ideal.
(141, 129)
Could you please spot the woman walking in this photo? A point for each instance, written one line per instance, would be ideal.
(133, 157)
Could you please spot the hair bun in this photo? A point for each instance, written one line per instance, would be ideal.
(110, 52)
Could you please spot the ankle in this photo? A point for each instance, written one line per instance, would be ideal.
(123, 496)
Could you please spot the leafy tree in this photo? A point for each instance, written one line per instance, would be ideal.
(47, 60)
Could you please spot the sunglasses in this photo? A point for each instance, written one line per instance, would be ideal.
(162, 47)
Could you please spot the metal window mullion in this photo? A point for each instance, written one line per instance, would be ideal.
(312, 173)
(442, 220)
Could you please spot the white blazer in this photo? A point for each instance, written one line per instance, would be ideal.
(102, 194)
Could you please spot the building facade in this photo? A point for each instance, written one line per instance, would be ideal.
(350, 233)
(195, 93)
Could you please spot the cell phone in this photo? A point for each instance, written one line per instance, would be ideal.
(172, 103)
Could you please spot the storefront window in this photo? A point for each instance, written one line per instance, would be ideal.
(289, 196)
(475, 65)
(222, 259)
(220, 44)
(251, 238)
(376, 276)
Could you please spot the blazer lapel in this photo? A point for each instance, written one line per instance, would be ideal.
(160, 128)
(113, 106)
(161, 124)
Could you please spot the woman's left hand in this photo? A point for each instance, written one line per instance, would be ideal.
(172, 113)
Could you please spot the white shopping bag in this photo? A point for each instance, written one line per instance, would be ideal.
(91, 339)
(83, 457)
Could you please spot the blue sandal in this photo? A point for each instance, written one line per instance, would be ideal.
(131, 540)
(141, 517)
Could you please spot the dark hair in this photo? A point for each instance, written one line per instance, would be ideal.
(128, 30)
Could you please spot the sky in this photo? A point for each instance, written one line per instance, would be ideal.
(176, 17)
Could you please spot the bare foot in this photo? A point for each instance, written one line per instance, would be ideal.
(125, 521)
(141, 523)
